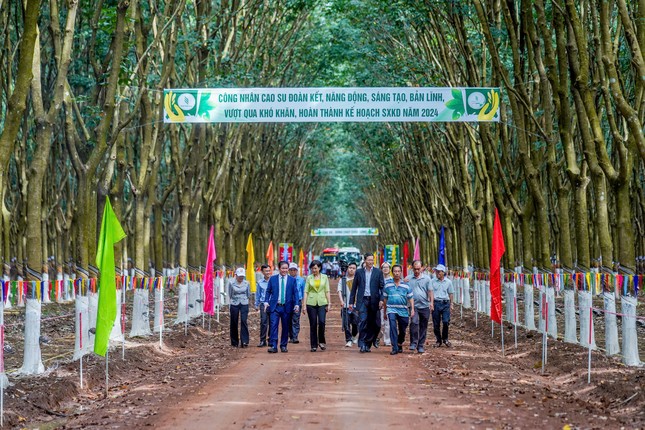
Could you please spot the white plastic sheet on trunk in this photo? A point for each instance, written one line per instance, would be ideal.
(487, 297)
(541, 301)
(529, 312)
(553, 322)
(217, 291)
(82, 319)
(509, 293)
(194, 299)
(45, 288)
(117, 334)
(93, 308)
(612, 347)
(630, 338)
(456, 282)
(140, 313)
(584, 302)
(467, 304)
(182, 316)
(32, 363)
(158, 317)
(7, 300)
(570, 322)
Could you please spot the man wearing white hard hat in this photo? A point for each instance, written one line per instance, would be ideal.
(294, 329)
(239, 293)
(442, 292)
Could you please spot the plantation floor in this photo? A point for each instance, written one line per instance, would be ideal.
(199, 382)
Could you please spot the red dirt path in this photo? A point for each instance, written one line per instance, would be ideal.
(197, 381)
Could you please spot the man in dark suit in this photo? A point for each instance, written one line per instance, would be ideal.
(281, 302)
(367, 297)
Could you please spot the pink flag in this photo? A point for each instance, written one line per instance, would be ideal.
(208, 275)
(417, 253)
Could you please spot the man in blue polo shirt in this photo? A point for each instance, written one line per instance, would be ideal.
(397, 298)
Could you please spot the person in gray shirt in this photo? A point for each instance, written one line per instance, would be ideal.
(239, 293)
(420, 285)
(443, 295)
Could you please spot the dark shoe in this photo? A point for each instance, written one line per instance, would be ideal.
(376, 343)
(420, 350)
(400, 348)
(447, 343)
(394, 352)
(261, 344)
(283, 349)
(322, 346)
(436, 345)
(313, 349)
(234, 345)
(272, 350)
(368, 349)
(363, 349)
(245, 345)
(295, 341)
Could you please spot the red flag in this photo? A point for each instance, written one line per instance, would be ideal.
(406, 257)
(496, 252)
(208, 274)
(270, 256)
(381, 257)
(417, 252)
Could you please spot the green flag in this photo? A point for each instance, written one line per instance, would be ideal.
(111, 233)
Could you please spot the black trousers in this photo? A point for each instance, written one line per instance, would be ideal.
(350, 323)
(317, 316)
(236, 312)
(369, 322)
(441, 314)
(419, 327)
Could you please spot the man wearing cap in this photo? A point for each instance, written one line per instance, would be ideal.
(239, 293)
(294, 330)
(420, 285)
(443, 293)
(281, 300)
(260, 297)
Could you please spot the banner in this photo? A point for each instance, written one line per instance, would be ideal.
(392, 254)
(385, 104)
(361, 231)
(286, 252)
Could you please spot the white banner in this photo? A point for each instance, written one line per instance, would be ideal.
(359, 231)
(410, 104)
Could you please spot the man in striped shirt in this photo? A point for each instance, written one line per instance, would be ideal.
(399, 307)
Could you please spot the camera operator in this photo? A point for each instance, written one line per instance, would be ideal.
(349, 318)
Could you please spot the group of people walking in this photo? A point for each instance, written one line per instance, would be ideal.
(371, 299)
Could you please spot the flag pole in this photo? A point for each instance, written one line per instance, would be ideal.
(123, 283)
(80, 343)
(107, 372)
(515, 316)
(2, 373)
(186, 319)
(590, 328)
(161, 322)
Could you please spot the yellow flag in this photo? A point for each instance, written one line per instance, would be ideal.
(250, 263)
(301, 261)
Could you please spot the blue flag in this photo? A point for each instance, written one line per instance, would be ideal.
(442, 247)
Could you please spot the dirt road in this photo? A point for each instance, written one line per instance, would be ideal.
(197, 381)
(340, 387)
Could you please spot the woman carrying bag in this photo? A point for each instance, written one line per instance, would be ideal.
(318, 300)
